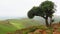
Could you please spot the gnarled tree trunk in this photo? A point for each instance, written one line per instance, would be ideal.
(46, 20)
(50, 21)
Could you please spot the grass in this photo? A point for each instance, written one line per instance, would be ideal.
(15, 24)
(32, 29)
(25, 25)
(4, 29)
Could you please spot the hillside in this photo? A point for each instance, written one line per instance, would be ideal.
(11, 25)
(6, 27)
(23, 23)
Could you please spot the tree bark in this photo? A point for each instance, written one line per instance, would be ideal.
(50, 21)
(46, 20)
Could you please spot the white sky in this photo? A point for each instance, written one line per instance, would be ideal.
(19, 8)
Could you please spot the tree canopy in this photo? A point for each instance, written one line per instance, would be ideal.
(45, 10)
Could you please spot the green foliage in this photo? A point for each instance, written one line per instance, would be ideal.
(30, 14)
(47, 5)
(45, 10)
(35, 11)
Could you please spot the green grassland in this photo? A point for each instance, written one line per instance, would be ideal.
(6, 27)
(12, 25)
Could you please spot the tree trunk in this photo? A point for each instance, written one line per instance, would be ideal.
(46, 20)
(50, 21)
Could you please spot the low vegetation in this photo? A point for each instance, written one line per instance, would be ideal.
(12, 25)
(55, 29)
(20, 26)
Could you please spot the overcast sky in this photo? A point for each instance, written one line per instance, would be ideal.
(19, 8)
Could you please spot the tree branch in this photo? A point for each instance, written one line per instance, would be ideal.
(43, 17)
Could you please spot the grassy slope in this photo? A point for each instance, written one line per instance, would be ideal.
(16, 24)
(6, 27)
(23, 23)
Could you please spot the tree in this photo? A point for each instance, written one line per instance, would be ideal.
(45, 10)
(50, 16)
(49, 8)
(35, 11)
